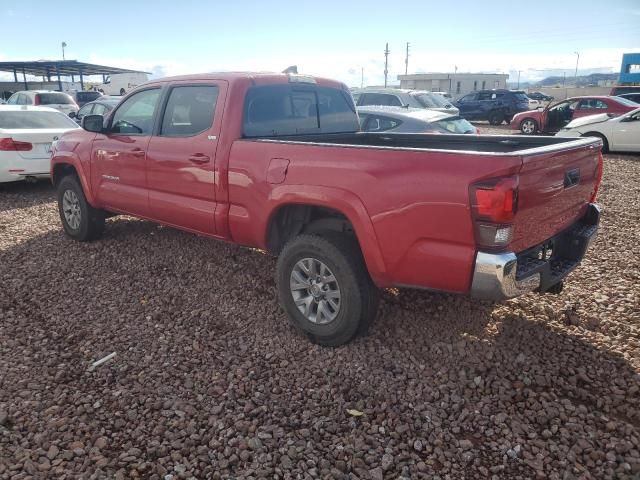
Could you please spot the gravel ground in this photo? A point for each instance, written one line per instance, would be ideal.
(209, 381)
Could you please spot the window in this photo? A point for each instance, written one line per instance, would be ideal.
(135, 115)
(363, 120)
(381, 124)
(54, 98)
(486, 96)
(380, 99)
(13, 99)
(468, 98)
(592, 104)
(451, 125)
(457, 87)
(432, 100)
(298, 109)
(99, 109)
(12, 119)
(475, 85)
(85, 110)
(189, 110)
(87, 96)
(484, 85)
(633, 68)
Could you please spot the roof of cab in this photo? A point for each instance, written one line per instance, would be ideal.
(261, 77)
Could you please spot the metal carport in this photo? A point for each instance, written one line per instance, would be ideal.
(60, 68)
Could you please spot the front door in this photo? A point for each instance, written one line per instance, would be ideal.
(119, 164)
(469, 106)
(181, 156)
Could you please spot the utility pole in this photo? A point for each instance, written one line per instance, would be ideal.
(64, 44)
(575, 75)
(518, 88)
(406, 61)
(386, 63)
(362, 77)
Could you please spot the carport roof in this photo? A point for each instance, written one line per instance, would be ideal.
(62, 67)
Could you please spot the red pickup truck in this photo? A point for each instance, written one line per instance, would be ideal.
(277, 162)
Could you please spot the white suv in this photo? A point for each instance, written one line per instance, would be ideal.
(46, 98)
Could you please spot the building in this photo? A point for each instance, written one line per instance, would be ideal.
(630, 69)
(456, 84)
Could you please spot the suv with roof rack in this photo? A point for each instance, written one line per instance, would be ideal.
(496, 106)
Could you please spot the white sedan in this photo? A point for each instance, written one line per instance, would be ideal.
(26, 135)
(619, 134)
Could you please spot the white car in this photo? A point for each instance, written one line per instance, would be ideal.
(26, 135)
(619, 134)
(46, 98)
(121, 83)
(533, 104)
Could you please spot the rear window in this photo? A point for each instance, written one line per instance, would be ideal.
(430, 100)
(277, 110)
(453, 125)
(32, 119)
(626, 101)
(55, 98)
(87, 96)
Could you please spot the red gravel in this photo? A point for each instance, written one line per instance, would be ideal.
(209, 381)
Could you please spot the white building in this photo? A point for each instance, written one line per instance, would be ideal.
(456, 84)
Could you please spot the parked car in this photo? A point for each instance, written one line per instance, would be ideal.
(121, 83)
(26, 136)
(277, 162)
(533, 104)
(496, 106)
(622, 89)
(397, 97)
(541, 97)
(83, 97)
(102, 106)
(634, 97)
(619, 134)
(411, 120)
(554, 117)
(47, 98)
(446, 95)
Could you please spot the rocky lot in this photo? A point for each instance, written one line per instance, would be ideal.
(209, 381)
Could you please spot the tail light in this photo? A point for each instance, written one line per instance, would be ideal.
(11, 145)
(493, 206)
(599, 171)
(36, 100)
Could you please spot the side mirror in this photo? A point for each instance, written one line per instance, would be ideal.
(72, 114)
(93, 123)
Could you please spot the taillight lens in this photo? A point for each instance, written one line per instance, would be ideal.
(36, 100)
(11, 145)
(599, 171)
(493, 205)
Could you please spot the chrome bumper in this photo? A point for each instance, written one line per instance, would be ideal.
(495, 276)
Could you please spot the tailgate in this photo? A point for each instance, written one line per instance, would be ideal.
(555, 189)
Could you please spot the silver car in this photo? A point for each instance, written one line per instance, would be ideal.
(397, 97)
(411, 120)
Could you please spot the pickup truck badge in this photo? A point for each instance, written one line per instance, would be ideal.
(110, 177)
(212, 137)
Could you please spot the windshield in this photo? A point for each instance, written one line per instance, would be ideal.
(521, 96)
(431, 100)
(627, 102)
(453, 125)
(297, 109)
(33, 119)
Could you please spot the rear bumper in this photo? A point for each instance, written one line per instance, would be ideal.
(499, 276)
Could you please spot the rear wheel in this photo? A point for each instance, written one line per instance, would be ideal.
(496, 118)
(605, 142)
(529, 126)
(325, 289)
(122, 91)
(79, 219)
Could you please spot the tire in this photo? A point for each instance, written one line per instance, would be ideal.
(79, 219)
(496, 118)
(122, 91)
(528, 126)
(301, 261)
(508, 119)
(605, 142)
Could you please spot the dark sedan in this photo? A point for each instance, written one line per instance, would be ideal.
(411, 120)
(101, 106)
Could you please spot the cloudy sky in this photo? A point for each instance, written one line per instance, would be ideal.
(331, 38)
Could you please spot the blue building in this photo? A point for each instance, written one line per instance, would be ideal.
(630, 69)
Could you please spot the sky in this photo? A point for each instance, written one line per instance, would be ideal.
(344, 40)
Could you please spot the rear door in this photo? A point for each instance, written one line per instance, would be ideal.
(554, 191)
(181, 156)
(119, 155)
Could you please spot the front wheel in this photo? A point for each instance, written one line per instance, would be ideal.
(605, 142)
(529, 126)
(325, 289)
(79, 219)
(496, 118)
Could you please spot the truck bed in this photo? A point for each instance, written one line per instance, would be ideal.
(494, 144)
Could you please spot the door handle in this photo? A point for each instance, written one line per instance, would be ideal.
(137, 152)
(199, 158)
